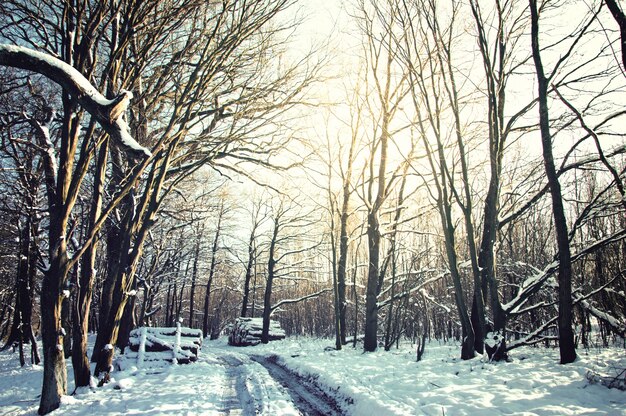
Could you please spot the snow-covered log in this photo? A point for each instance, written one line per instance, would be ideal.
(247, 331)
(164, 344)
(108, 112)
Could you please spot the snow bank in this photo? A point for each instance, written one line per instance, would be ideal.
(393, 383)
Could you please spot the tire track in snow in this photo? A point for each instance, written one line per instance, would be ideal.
(306, 395)
(236, 399)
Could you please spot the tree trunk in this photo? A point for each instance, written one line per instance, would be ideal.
(246, 283)
(194, 276)
(486, 262)
(66, 325)
(567, 347)
(117, 258)
(54, 371)
(118, 245)
(341, 272)
(356, 303)
(21, 327)
(129, 321)
(370, 342)
(343, 242)
(267, 298)
(80, 362)
(207, 293)
(336, 308)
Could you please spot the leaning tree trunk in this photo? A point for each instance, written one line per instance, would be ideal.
(117, 257)
(118, 245)
(80, 362)
(122, 294)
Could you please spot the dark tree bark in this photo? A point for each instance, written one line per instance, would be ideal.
(80, 362)
(251, 263)
(567, 347)
(267, 298)
(370, 342)
(248, 276)
(496, 76)
(21, 328)
(343, 242)
(333, 260)
(194, 276)
(207, 294)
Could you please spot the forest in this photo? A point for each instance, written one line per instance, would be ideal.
(404, 170)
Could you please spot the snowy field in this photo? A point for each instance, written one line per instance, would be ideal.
(378, 383)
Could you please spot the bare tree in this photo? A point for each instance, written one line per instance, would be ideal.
(389, 88)
(257, 219)
(287, 245)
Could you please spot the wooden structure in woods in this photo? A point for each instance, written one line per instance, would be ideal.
(155, 346)
(247, 331)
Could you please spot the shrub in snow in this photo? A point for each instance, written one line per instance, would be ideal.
(610, 381)
(247, 331)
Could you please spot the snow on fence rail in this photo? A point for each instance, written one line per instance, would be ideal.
(155, 346)
(247, 331)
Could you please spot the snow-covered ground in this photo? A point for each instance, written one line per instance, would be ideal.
(220, 382)
(381, 383)
(393, 383)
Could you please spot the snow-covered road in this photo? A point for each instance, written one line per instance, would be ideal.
(222, 382)
(305, 393)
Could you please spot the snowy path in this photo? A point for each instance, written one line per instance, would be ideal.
(257, 385)
(307, 396)
(222, 382)
(232, 402)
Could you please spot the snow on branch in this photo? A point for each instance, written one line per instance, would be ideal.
(535, 336)
(616, 323)
(108, 112)
(533, 283)
(578, 298)
(309, 296)
(406, 293)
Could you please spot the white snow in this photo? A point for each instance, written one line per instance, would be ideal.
(49, 148)
(195, 389)
(393, 383)
(76, 76)
(128, 140)
(379, 383)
